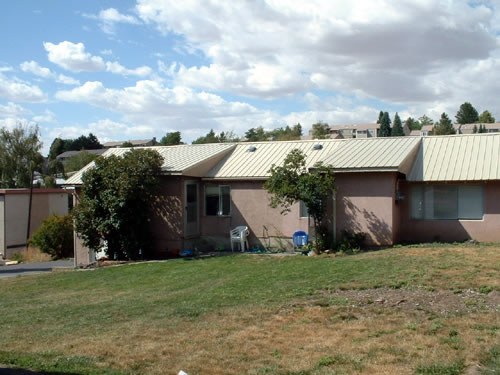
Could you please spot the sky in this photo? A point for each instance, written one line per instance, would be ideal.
(124, 69)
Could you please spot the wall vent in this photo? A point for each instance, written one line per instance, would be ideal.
(317, 147)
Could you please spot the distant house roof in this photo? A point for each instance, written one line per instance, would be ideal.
(488, 126)
(355, 126)
(427, 128)
(189, 160)
(471, 157)
(134, 142)
(69, 154)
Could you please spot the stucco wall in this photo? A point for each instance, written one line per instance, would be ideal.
(167, 218)
(454, 230)
(365, 202)
(250, 207)
(16, 206)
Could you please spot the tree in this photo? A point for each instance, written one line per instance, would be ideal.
(413, 124)
(397, 127)
(256, 134)
(380, 115)
(321, 130)
(171, 139)
(19, 155)
(210, 137)
(78, 161)
(475, 129)
(385, 126)
(444, 126)
(467, 114)
(486, 117)
(292, 183)
(127, 144)
(425, 120)
(482, 129)
(116, 195)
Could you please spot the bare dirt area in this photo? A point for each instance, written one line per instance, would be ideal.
(419, 300)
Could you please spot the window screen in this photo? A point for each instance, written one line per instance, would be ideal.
(446, 202)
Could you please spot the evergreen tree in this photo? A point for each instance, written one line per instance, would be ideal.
(425, 120)
(413, 124)
(486, 117)
(256, 134)
(380, 115)
(385, 126)
(397, 127)
(444, 127)
(475, 130)
(467, 114)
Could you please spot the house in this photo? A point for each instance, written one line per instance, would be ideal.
(354, 131)
(394, 189)
(425, 131)
(68, 154)
(469, 128)
(134, 142)
(14, 213)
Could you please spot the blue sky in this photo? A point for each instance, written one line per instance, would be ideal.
(137, 69)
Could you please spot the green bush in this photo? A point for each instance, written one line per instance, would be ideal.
(351, 242)
(55, 236)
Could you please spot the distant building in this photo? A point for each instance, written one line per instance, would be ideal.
(425, 131)
(135, 143)
(68, 154)
(354, 131)
(469, 128)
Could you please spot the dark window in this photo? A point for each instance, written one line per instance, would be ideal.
(217, 200)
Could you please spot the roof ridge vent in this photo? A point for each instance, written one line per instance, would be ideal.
(252, 149)
(317, 146)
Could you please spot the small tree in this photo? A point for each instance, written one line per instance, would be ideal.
(78, 161)
(444, 127)
(55, 236)
(467, 114)
(385, 126)
(475, 130)
(114, 204)
(171, 139)
(320, 130)
(397, 127)
(413, 124)
(292, 183)
(486, 117)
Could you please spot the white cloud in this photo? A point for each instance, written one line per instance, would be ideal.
(6, 69)
(35, 68)
(20, 91)
(13, 110)
(415, 53)
(108, 19)
(73, 57)
(106, 52)
(48, 116)
(117, 68)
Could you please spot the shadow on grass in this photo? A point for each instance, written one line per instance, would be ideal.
(18, 371)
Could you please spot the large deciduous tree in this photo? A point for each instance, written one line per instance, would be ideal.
(171, 139)
(114, 206)
(385, 126)
(293, 182)
(397, 127)
(19, 155)
(467, 114)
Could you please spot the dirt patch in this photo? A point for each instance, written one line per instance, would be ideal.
(439, 302)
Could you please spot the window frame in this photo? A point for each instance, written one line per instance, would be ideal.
(424, 203)
(220, 208)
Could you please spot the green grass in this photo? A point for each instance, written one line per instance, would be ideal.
(41, 309)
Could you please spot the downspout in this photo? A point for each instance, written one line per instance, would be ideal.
(334, 221)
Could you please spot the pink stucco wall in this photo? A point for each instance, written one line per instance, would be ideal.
(250, 207)
(365, 202)
(486, 229)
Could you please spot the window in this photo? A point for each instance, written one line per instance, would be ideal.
(446, 202)
(371, 132)
(492, 130)
(303, 212)
(217, 200)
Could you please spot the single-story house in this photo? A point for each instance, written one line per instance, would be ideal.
(68, 154)
(14, 213)
(134, 142)
(396, 189)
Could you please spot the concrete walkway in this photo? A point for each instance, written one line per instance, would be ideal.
(33, 268)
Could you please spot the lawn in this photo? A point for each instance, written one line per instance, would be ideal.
(408, 310)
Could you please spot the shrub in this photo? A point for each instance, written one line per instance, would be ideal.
(55, 236)
(351, 242)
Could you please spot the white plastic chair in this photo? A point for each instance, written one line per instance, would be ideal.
(240, 235)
